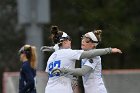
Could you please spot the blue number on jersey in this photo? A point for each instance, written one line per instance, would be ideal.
(52, 65)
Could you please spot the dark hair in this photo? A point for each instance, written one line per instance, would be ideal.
(56, 34)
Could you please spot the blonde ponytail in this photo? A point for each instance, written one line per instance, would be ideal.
(33, 60)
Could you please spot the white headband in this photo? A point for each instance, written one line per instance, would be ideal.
(93, 37)
(64, 34)
(56, 47)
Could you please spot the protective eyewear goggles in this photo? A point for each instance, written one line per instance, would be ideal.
(88, 39)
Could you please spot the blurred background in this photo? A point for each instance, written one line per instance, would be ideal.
(29, 21)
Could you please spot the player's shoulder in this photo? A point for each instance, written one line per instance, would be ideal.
(26, 66)
(26, 63)
(66, 49)
(66, 52)
(63, 51)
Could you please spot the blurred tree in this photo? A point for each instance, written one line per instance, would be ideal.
(11, 38)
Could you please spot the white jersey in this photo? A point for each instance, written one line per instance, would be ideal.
(93, 82)
(59, 59)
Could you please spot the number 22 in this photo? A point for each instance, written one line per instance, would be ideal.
(52, 65)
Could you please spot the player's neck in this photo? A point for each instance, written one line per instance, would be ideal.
(24, 60)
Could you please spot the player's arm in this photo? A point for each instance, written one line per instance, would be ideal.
(77, 71)
(50, 48)
(47, 48)
(98, 52)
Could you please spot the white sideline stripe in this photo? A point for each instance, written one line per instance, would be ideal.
(12, 88)
(6, 82)
(121, 71)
